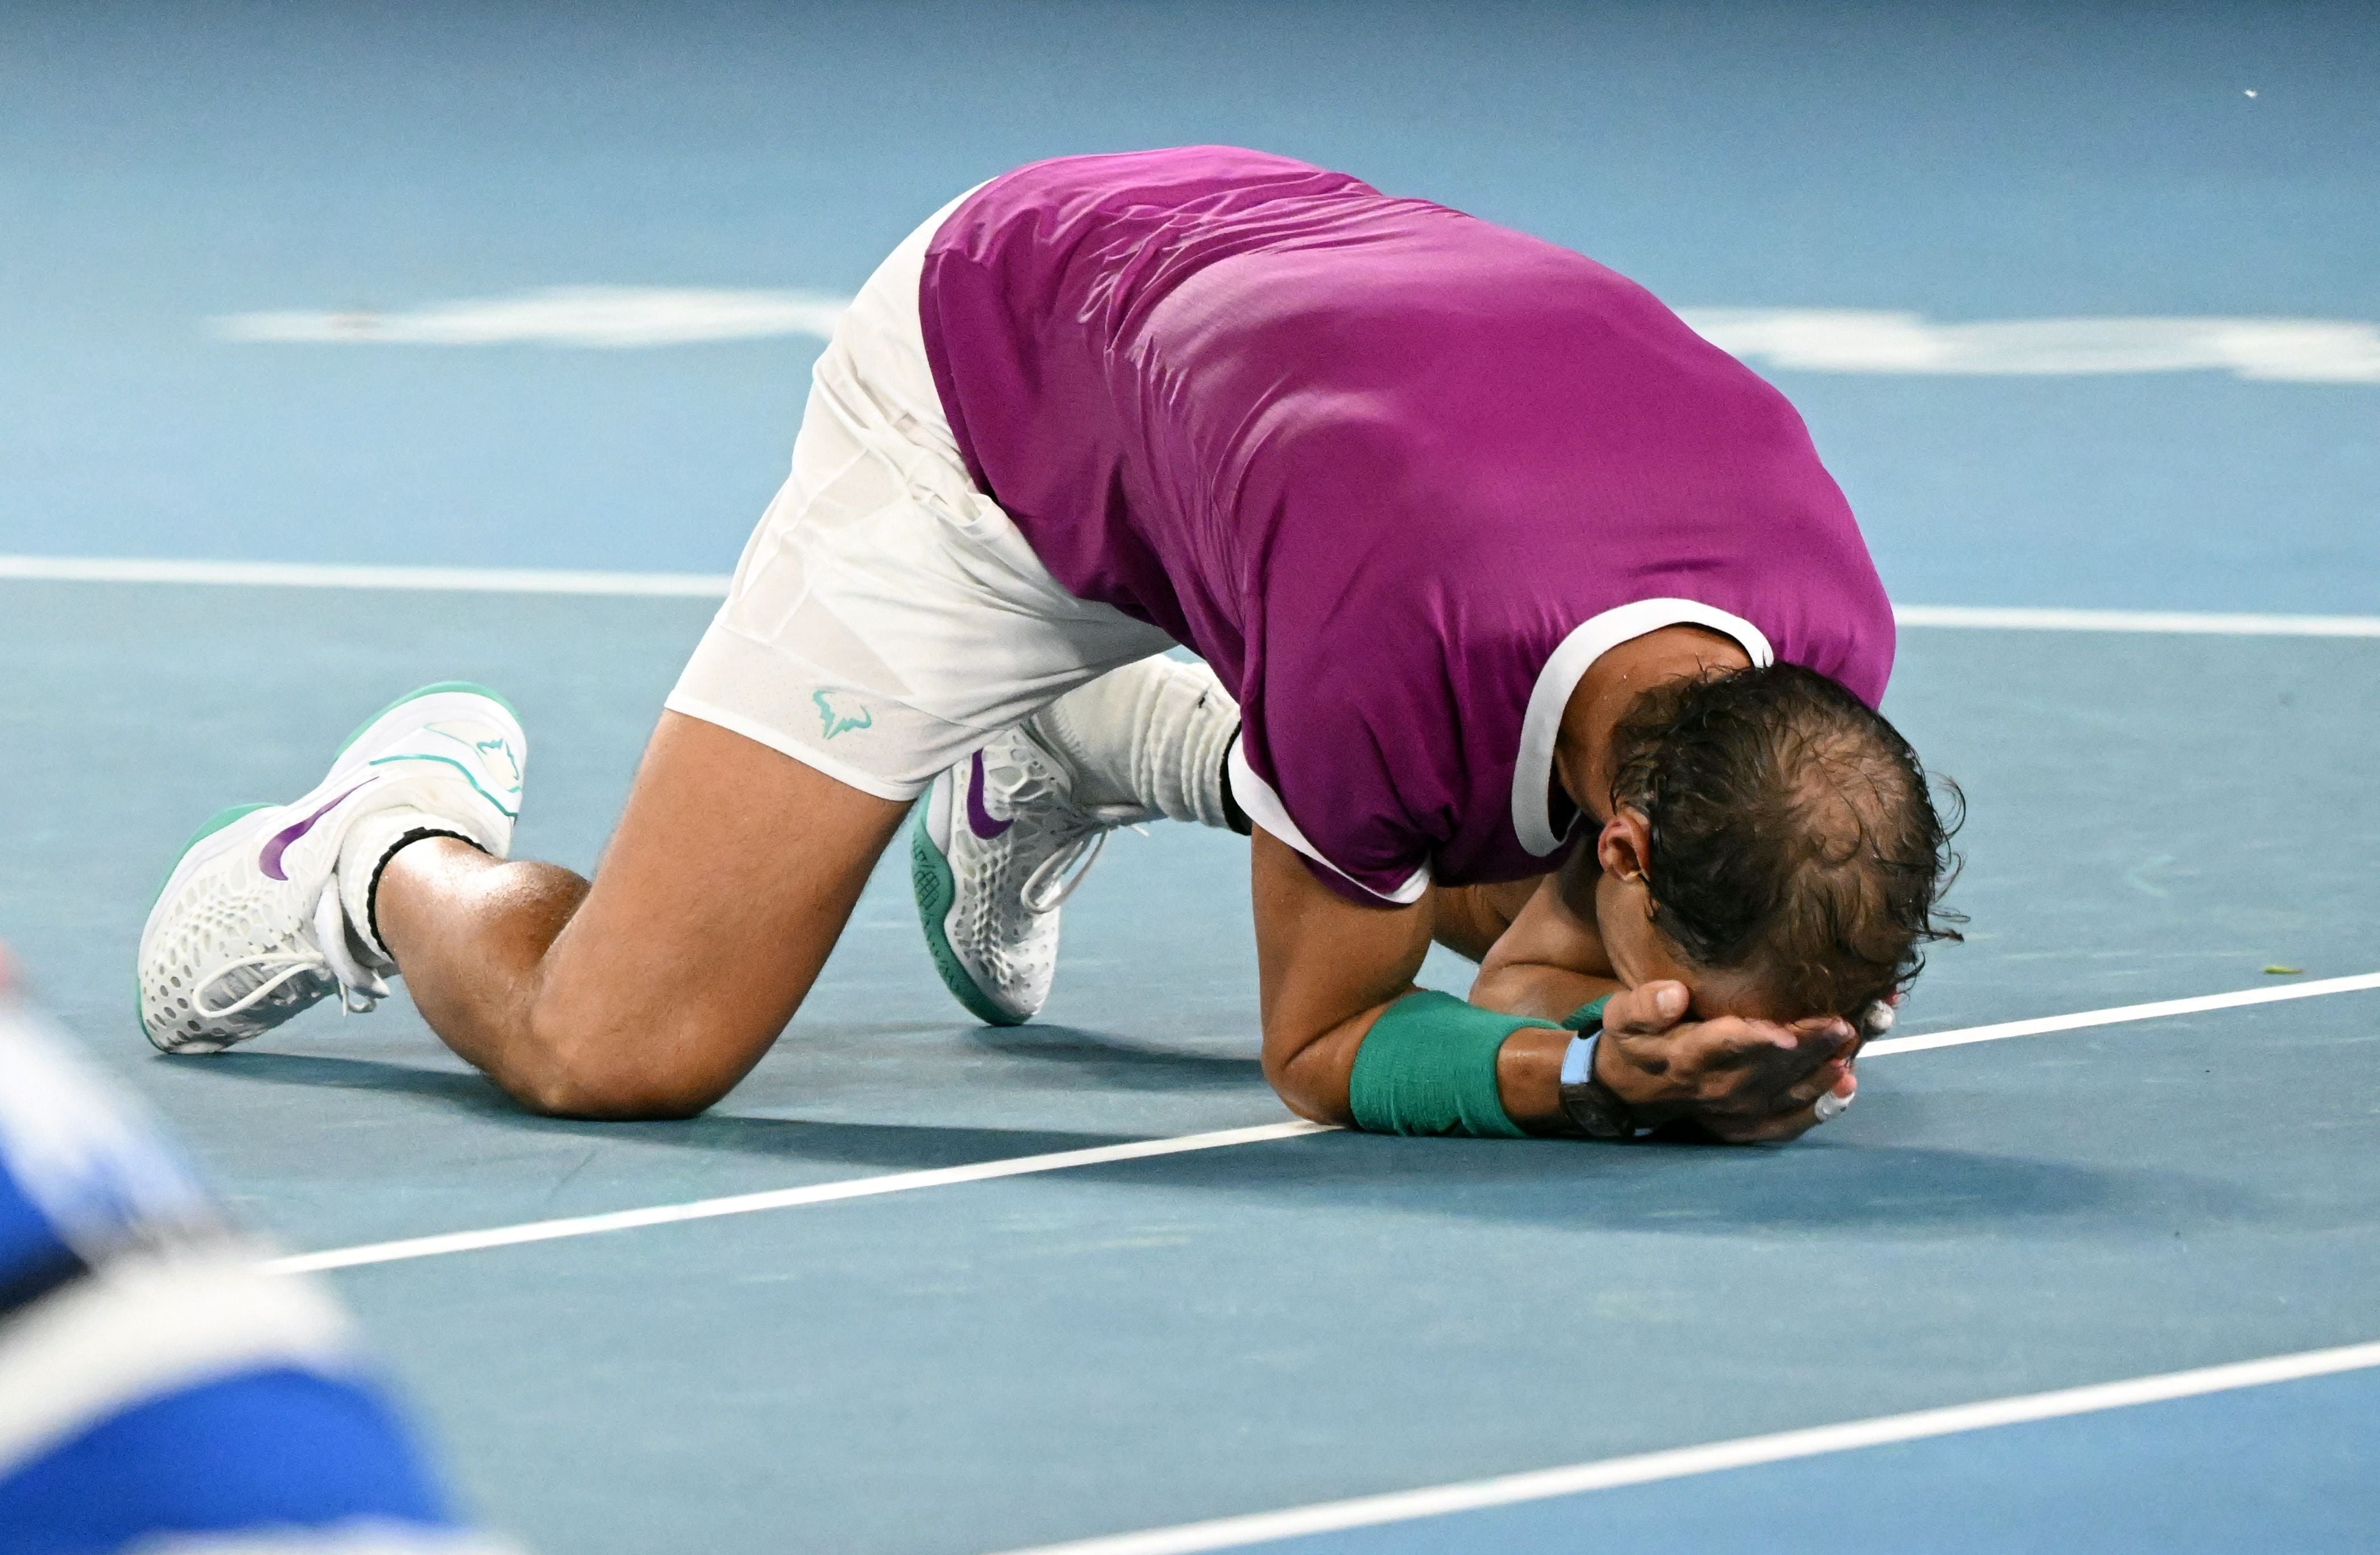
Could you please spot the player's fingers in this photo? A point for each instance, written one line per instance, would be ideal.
(1779, 1127)
(1826, 1039)
(1825, 1080)
(1836, 1102)
(1760, 1077)
(1644, 1010)
(1776, 1053)
(1731, 1042)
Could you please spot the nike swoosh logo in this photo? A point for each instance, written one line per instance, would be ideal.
(977, 817)
(280, 842)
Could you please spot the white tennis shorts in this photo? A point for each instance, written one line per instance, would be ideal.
(887, 618)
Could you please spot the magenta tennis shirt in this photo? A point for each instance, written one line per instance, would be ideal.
(1398, 474)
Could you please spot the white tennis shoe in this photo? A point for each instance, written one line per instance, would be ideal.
(998, 844)
(254, 924)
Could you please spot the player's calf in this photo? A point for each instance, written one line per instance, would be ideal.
(649, 991)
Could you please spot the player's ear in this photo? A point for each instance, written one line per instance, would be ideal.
(1624, 847)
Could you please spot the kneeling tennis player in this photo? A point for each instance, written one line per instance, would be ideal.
(1530, 622)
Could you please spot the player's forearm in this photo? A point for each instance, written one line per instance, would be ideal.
(1537, 989)
(1528, 1076)
(1529, 1066)
(1469, 919)
(1338, 985)
(1313, 1074)
(1316, 1077)
(1551, 959)
(1327, 968)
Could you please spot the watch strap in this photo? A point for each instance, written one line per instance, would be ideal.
(1592, 1108)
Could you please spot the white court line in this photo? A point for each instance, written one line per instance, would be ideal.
(536, 580)
(1141, 1149)
(1869, 340)
(325, 575)
(2202, 622)
(600, 317)
(780, 1198)
(1644, 1469)
(2122, 1013)
(2264, 349)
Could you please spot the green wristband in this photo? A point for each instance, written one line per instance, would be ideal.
(1428, 1066)
(1588, 1013)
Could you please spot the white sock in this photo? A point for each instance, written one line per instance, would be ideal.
(1151, 735)
(366, 846)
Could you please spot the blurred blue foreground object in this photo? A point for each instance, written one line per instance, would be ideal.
(158, 1388)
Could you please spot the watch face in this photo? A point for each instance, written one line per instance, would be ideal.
(1597, 1113)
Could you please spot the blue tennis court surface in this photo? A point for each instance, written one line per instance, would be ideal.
(998, 1360)
(2283, 1467)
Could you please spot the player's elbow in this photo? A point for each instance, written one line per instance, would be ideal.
(1500, 985)
(1304, 1085)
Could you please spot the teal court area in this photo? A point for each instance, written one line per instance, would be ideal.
(1136, 1343)
(1079, 1281)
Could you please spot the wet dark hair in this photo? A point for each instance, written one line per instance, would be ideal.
(1794, 834)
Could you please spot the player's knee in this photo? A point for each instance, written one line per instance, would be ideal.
(609, 1093)
(603, 1095)
(655, 1069)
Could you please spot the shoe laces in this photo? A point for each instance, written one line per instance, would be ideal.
(1054, 878)
(1039, 800)
(269, 972)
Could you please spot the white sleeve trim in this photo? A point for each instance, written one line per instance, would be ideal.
(1533, 773)
(1260, 804)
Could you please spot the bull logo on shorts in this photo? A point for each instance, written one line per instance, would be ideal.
(834, 721)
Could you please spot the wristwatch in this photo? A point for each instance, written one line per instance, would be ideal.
(1594, 1108)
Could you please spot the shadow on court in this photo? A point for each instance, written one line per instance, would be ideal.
(1815, 1185)
(1708, 1190)
(895, 1147)
(1118, 1063)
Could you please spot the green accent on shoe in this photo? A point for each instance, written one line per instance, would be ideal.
(424, 756)
(415, 695)
(215, 823)
(483, 748)
(936, 889)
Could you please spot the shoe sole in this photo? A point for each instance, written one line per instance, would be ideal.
(195, 853)
(936, 890)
